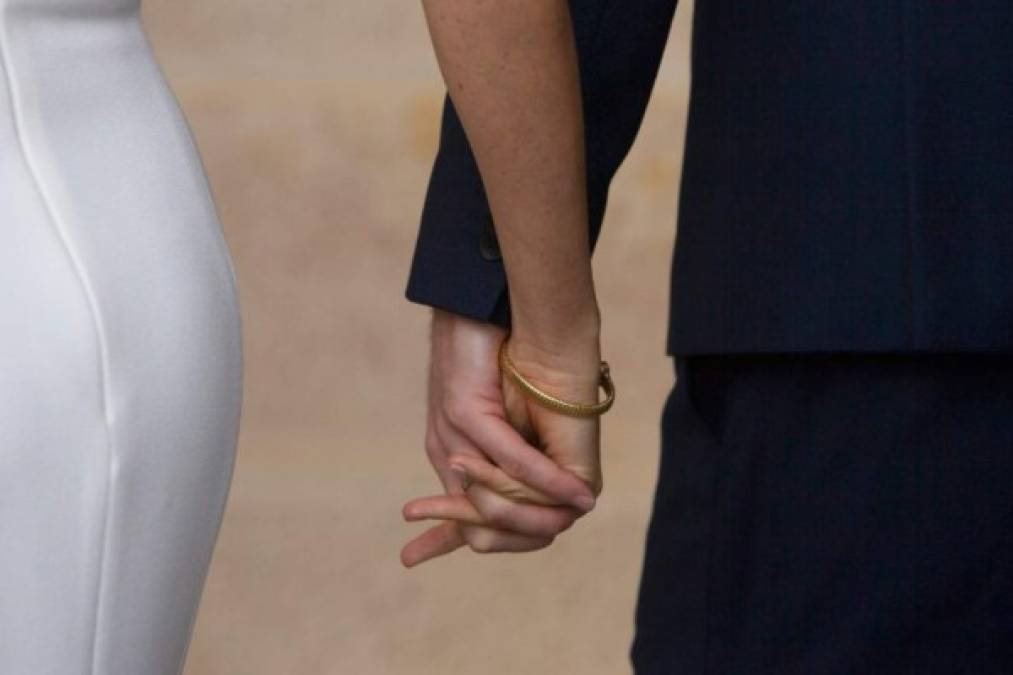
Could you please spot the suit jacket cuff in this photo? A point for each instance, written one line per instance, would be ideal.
(456, 264)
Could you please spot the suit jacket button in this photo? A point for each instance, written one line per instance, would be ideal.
(487, 244)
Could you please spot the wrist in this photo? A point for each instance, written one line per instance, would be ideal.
(556, 333)
(449, 327)
(564, 355)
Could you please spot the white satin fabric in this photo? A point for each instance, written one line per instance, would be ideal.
(120, 353)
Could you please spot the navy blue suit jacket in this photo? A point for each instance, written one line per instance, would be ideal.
(847, 180)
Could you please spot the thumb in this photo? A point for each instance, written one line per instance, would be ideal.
(515, 408)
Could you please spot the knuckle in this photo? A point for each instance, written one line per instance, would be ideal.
(513, 467)
(457, 410)
(432, 443)
(566, 523)
(551, 530)
(482, 542)
(456, 457)
(499, 516)
(559, 525)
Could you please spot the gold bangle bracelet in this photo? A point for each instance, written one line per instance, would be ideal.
(558, 404)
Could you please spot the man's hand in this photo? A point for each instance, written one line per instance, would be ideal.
(545, 469)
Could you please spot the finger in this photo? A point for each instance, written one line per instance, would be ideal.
(437, 455)
(460, 477)
(482, 506)
(447, 507)
(492, 540)
(501, 443)
(479, 470)
(436, 541)
(529, 519)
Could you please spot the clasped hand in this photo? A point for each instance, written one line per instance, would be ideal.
(515, 474)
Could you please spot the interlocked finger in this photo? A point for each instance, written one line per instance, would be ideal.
(492, 540)
(477, 470)
(436, 541)
(452, 534)
(528, 519)
(446, 507)
(483, 507)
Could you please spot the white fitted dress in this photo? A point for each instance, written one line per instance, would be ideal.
(120, 352)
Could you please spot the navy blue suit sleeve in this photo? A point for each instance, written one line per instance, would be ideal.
(455, 265)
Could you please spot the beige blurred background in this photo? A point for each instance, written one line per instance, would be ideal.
(318, 123)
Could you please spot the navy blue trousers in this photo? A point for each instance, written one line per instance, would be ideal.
(831, 514)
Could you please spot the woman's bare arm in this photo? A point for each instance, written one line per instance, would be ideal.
(511, 70)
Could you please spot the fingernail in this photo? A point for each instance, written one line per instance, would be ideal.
(584, 503)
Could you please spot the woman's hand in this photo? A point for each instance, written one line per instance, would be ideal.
(569, 370)
(512, 73)
(545, 475)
